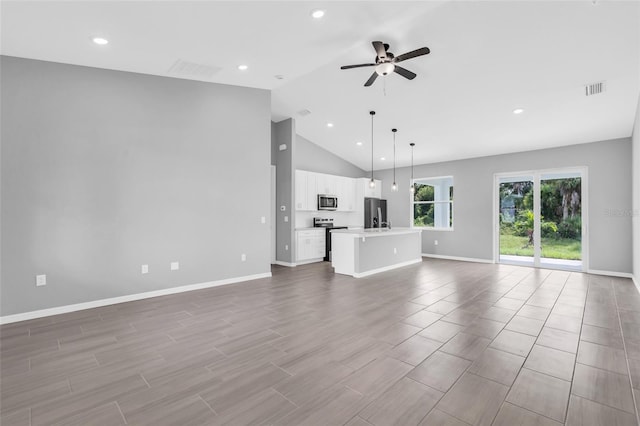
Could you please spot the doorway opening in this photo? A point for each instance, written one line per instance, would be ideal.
(541, 219)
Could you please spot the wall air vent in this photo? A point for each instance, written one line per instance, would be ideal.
(186, 69)
(594, 88)
(304, 112)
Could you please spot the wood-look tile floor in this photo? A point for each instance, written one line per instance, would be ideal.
(438, 343)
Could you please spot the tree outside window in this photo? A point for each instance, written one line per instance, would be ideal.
(433, 203)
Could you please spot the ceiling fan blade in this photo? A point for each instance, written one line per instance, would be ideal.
(380, 50)
(371, 79)
(412, 54)
(347, 67)
(405, 72)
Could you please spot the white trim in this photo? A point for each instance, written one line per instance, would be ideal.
(304, 262)
(281, 263)
(635, 282)
(462, 259)
(128, 298)
(386, 268)
(610, 273)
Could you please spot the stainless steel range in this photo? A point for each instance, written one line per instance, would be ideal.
(327, 224)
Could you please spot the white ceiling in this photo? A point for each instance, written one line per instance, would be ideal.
(487, 58)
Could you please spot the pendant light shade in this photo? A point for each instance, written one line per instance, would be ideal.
(413, 185)
(394, 186)
(372, 183)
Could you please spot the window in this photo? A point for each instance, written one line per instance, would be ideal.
(433, 203)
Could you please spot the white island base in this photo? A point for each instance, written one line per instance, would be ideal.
(365, 252)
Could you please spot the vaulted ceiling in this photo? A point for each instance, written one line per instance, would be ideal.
(487, 59)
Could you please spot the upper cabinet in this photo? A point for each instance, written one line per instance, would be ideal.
(369, 192)
(305, 190)
(346, 192)
(326, 184)
(309, 184)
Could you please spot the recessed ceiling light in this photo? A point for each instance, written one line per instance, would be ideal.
(243, 67)
(329, 124)
(359, 143)
(100, 40)
(317, 14)
(518, 111)
(382, 158)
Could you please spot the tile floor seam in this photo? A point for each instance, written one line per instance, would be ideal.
(529, 410)
(626, 356)
(208, 405)
(121, 413)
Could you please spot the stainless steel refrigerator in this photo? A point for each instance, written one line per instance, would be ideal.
(375, 213)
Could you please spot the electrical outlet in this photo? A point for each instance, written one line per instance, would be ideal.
(175, 266)
(263, 219)
(243, 257)
(286, 247)
(286, 218)
(41, 280)
(395, 250)
(435, 243)
(144, 269)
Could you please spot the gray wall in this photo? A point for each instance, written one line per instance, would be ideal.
(284, 132)
(103, 171)
(609, 182)
(313, 158)
(636, 196)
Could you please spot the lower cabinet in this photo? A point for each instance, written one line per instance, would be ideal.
(310, 244)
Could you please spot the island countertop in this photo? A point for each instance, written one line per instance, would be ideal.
(375, 232)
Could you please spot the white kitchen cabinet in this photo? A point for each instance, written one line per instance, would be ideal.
(371, 192)
(326, 184)
(305, 191)
(301, 190)
(310, 244)
(312, 192)
(346, 192)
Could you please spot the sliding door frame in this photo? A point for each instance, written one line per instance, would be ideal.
(584, 176)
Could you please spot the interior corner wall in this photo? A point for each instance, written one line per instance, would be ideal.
(609, 198)
(636, 196)
(104, 171)
(284, 133)
(312, 158)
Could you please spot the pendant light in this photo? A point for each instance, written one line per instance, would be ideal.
(394, 187)
(372, 183)
(413, 185)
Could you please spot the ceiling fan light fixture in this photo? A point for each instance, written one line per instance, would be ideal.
(385, 68)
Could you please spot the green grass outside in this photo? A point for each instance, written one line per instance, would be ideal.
(562, 248)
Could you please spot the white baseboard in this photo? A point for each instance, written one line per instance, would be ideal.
(287, 264)
(128, 298)
(463, 259)
(635, 282)
(306, 262)
(386, 268)
(610, 273)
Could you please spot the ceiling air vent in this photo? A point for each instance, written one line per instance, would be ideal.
(182, 68)
(594, 88)
(304, 112)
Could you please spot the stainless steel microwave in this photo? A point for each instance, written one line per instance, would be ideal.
(327, 202)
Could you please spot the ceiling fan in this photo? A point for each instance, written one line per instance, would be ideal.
(386, 61)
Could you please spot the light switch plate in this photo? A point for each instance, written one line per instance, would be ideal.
(175, 266)
(41, 280)
(144, 269)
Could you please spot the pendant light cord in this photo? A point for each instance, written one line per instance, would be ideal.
(372, 114)
(394, 155)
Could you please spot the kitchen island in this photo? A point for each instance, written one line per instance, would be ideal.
(362, 252)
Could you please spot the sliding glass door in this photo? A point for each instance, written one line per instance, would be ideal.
(540, 219)
(515, 198)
